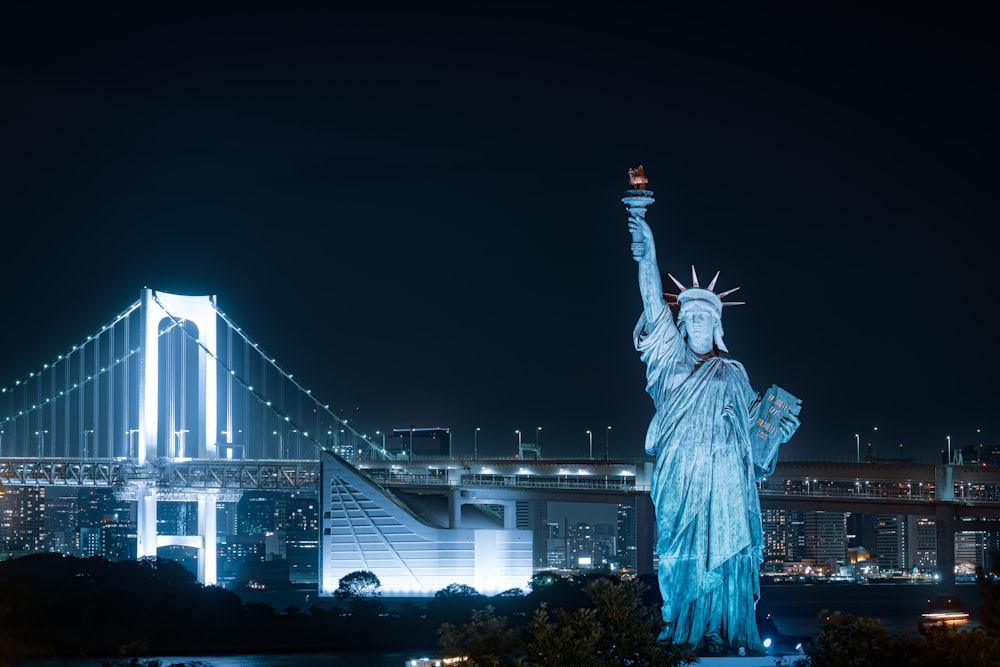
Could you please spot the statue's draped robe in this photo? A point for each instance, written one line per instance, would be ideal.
(709, 535)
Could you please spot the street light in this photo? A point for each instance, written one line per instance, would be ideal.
(590, 442)
(180, 443)
(383, 441)
(607, 440)
(86, 443)
(949, 448)
(857, 441)
(475, 444)
(538, 437)
(281, 443)
(518, 442)
(41, 442)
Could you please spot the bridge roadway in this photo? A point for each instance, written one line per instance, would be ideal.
(897, 484)
(960, 497)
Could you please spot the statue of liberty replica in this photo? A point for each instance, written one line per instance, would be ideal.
(714, 438)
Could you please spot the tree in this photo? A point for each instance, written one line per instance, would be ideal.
(486, 640)
(849, 641)
(568, 639)
(619, 629)
(458, 591)
(454, 603)
(358, 584)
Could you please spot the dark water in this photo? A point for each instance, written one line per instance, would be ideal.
(795, 609)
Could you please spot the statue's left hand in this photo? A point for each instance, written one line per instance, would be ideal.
(788, 425)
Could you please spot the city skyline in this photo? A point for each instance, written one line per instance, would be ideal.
(271, 535)
(417, 212)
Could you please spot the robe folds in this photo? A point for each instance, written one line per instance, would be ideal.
(709, 535)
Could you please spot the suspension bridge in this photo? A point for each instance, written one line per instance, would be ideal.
(170, 391)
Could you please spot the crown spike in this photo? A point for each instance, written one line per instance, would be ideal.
(734, 303)
(694, 277)
(722, 295)
(711, 285)
(678, 283)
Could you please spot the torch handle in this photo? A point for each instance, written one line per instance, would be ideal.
(638, 212)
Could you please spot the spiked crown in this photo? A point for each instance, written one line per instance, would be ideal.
(703, 294)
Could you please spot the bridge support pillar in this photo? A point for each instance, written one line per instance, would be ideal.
(208, 558)
(145, 521)
(537, 513)
(944, 524)
(510, 514)
(455, 508)
(944, 484)
(199, 310)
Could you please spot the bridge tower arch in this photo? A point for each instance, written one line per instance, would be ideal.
(156, 306)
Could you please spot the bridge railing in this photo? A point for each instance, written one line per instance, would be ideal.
(595, 482)
(816, 491)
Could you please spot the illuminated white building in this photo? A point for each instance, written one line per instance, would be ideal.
(361, 528)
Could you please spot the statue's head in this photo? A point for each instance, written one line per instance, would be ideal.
(700, 322)
(700, 317)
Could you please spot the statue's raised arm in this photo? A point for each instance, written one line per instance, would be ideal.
(637, 199)
(644, 252)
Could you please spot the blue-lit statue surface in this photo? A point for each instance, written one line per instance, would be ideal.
(713, 442)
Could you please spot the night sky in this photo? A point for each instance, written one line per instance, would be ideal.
(417, 211)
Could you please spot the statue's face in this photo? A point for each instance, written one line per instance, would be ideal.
(699, 323)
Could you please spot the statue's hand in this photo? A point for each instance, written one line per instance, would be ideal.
(642, 237)
(788, 425)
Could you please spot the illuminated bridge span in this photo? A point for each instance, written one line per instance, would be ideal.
(171, 377)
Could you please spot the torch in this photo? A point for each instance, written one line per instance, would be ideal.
(636, 199)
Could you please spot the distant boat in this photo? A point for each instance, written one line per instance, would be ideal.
(435, 662)
(945, 610)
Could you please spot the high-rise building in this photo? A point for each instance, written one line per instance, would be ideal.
(240, 557)
(970, 551)
(61, 525)
(779, 539)
(104, 525)
(922, 546)
(891, 542)
(298, 519)
(825, 536)
(861, 530)
(605, 546)
(118, 540)
(590, 546)
(256, 513)
(22, 521)
(627, 537)
(580, 546)
(226, 518)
